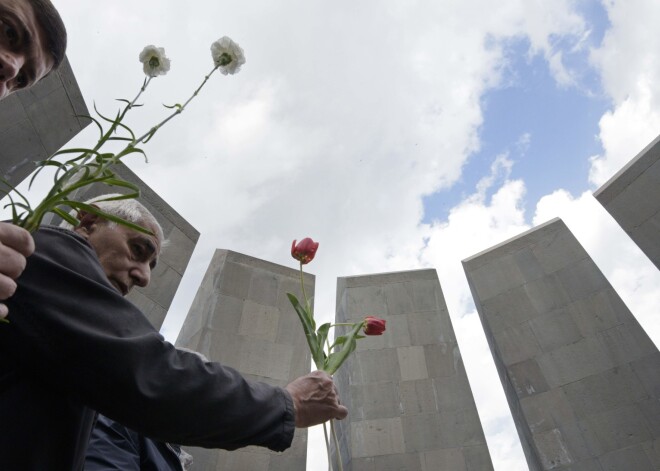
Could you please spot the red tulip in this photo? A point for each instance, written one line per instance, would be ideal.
(305, 250)
(374, 326)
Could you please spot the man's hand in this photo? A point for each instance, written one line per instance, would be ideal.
(15, 244)
(315, 399)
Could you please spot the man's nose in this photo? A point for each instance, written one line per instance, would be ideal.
(10, 66)
(141, 274)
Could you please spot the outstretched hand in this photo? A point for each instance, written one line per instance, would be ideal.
(15, 244)
(315, 399)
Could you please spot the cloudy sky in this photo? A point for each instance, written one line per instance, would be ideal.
(399, 134)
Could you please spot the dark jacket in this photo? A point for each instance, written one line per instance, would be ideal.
(114, 447)
(74, 345)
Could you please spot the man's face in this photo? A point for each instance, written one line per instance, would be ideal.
(24, 58)
(127, 256)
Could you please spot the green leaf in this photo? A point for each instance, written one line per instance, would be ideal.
(149, 135)
(338, 341)
(43, 164)
(176, 105)
(16, 204)
(335, 360)
(113, 121)
(76, 150)
(322, 333)
(98, 125)
(123, 126)
(67, 217)
(110, 217)
(315, 347)
(134, 150)
(117, 138)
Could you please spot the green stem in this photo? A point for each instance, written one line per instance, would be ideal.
(302, 286)
(179, 110)
(112, 129)
(334, 434)
(327, 446)
(142, 89)
(33, 221)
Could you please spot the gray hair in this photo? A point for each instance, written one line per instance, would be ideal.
(129, 209)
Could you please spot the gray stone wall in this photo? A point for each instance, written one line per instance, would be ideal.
(155, 299)
(242, 318)
(581, 376)
(410, 403)
(35, 123)
(632, 197)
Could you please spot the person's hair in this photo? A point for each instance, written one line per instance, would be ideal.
(51, 22)
(128, 209)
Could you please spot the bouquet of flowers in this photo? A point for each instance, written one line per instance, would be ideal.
(94, 165)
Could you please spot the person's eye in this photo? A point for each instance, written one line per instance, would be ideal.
(138, 250)
(10, 33)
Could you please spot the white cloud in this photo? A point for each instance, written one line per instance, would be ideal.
(624, 132)
(629, 63)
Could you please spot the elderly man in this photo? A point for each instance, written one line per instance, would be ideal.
(75, 346)
(32, 43)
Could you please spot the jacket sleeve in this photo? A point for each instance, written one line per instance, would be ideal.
(71, 327)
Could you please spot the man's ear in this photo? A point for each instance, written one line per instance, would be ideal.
(88, 222)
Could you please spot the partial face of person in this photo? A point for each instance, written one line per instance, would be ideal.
(127, 256)
(24, 57)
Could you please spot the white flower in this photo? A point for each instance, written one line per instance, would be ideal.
(154, 61)
(227, 55)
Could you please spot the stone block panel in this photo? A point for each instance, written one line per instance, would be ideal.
(377, 437)
(580, 374)
(242, 318)
(410, 401)
(35, 123)
(632, 197)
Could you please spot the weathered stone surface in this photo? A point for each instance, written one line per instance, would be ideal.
(35, 123)
(632, 197)
(242, 318)
(581, 376)
(410, 401)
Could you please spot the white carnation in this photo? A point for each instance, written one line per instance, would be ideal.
(227, 55)
(154, 61)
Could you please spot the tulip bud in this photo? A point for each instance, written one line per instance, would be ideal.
(374, 325)
(304, 251)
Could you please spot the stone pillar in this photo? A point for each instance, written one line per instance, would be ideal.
(410, 403)
(242, 318)
(581, 376)
(36, 122)
(632, 197)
